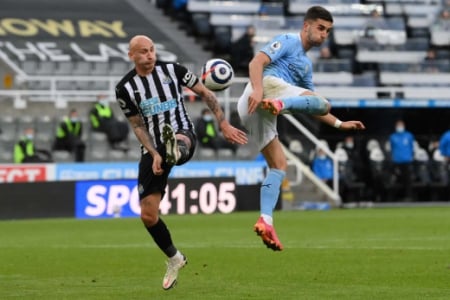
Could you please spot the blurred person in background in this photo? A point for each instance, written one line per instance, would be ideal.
(208, 135)
(402, 157)
(25, 150)
(69, 136)
(102, 119)
(442, 21)
(322, 166)
(242, 51)
(444, 145)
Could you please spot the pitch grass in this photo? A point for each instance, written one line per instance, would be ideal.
(395, 253)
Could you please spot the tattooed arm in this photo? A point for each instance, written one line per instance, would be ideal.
(145, 139)
(230, 133)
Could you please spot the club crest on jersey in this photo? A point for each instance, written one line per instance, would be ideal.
(167, 80)
(275, 47)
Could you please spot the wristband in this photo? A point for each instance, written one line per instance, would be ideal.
(337, 123)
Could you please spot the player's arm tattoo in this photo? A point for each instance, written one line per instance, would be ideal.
(214, 106)
(141, 133)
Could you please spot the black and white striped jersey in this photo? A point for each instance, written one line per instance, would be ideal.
(157, 97)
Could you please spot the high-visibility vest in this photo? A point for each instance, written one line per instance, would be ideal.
(73, 128)
(210, 132)
(103, 112)
(22, 149)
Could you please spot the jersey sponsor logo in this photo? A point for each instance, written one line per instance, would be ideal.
(153, 106)
(23, 173)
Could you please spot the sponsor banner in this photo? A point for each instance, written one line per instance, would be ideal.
(120, 198)
(390, 103)
(25, 173)
(245, 172)
(96, 171)
(85, 30)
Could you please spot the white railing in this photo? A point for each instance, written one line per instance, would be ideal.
(21, 95)
(334, 193)
(61, 97)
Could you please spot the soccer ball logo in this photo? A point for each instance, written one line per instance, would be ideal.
(217, 74)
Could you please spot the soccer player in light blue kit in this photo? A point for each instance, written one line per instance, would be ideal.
(281, 82)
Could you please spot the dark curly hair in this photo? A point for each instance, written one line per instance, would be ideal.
(318, 12)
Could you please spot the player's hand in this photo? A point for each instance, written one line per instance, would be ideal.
(157, 162)
(352, 125)
(232, 134)
(254, 101)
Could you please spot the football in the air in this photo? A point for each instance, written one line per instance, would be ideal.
(217, 74)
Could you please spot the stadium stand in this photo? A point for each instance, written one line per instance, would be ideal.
(68, 64)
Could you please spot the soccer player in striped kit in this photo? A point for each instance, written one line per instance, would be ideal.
(151, 98)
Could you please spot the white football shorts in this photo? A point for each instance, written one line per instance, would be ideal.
(262, 125)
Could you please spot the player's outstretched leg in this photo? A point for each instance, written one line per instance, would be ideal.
(172, 151)
(174, 264)
(311, 104)
(268, 235)
(274, 106)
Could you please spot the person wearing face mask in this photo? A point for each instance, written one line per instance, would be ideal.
(354, 154)
(402, 156)
(25, 150)
(322, 166)
(208, 135)
(69, 136)
(102, 119)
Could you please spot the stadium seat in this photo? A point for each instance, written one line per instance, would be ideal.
(45, 129)
(99, 68)
(8, 126)
(63, 68)
(351, 187)
(222, 40)
(81, 68)
(61, 156)
(201, 26)
(29, 66)
(46, 68)
(24, 121)
(205, 154)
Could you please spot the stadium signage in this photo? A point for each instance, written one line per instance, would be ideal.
(59, 52)
(245, 172)
(61, 28)
(120, 198)
(96, 171)
(27, 173)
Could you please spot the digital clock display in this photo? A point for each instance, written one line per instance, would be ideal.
(197, 195)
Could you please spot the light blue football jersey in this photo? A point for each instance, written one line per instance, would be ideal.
(289, 61)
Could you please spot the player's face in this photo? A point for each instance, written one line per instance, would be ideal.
(143, 54)
(317, 31)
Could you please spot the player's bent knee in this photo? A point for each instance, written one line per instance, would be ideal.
(149, 219)
(320, 106)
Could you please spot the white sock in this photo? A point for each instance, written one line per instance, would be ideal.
(268, 219)
(177, 256)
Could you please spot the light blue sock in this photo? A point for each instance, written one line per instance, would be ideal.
(311, 104)
(270, 190)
